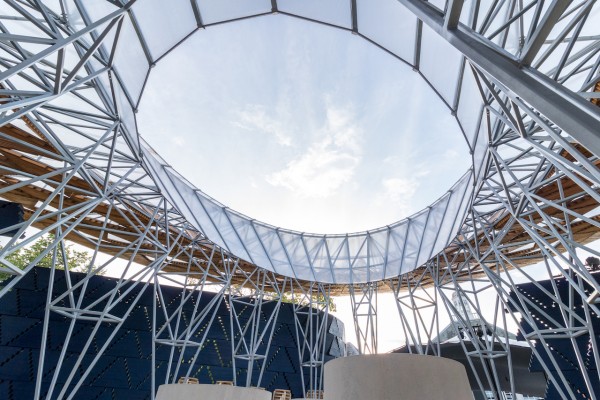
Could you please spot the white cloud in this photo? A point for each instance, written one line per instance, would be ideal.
(329, 162)
(398, 194)
(451, 154)
(391, 160)
(255, 117)
(342, 130)
(318, 173)
(399, 189)
(178, 141)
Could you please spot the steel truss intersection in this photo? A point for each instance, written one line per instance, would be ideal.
(71, 157)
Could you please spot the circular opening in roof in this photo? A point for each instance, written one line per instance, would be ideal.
(301, 126)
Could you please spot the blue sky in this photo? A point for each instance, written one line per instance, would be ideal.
(301, 126)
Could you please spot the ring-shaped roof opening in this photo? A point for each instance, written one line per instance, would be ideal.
(301, 125)
(347, 258)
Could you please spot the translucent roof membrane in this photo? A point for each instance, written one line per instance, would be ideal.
(443, 76)
(360, 257)
(381, 253)
(336, 12)
(301, 125)
(215, 11)
(175, 17)
(390, 25)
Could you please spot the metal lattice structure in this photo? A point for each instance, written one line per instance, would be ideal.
(521, 77)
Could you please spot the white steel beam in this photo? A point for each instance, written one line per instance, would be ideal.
(569, 111)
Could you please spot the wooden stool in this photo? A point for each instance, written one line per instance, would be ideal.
(314, 394)
(228, 383)
(282, 394)
(189, 381)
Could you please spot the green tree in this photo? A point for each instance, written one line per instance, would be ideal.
(302, 300)
(78, 261)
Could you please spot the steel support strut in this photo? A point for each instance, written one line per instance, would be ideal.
(569, 111)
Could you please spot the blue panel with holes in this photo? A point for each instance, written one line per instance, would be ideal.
(564, 351)
(124, 369)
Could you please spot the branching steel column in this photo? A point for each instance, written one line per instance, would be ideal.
(364, 310)
(253, 310)
(63, 80)
(174, 325)
(418, 309)
(311, 317)
(480, 340)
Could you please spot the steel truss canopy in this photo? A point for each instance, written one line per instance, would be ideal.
(517, 76)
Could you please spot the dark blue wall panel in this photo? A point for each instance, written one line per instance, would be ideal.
(123, 371)
(562, 350)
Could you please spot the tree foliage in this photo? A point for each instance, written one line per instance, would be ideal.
(304, 301)
(78, 261)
